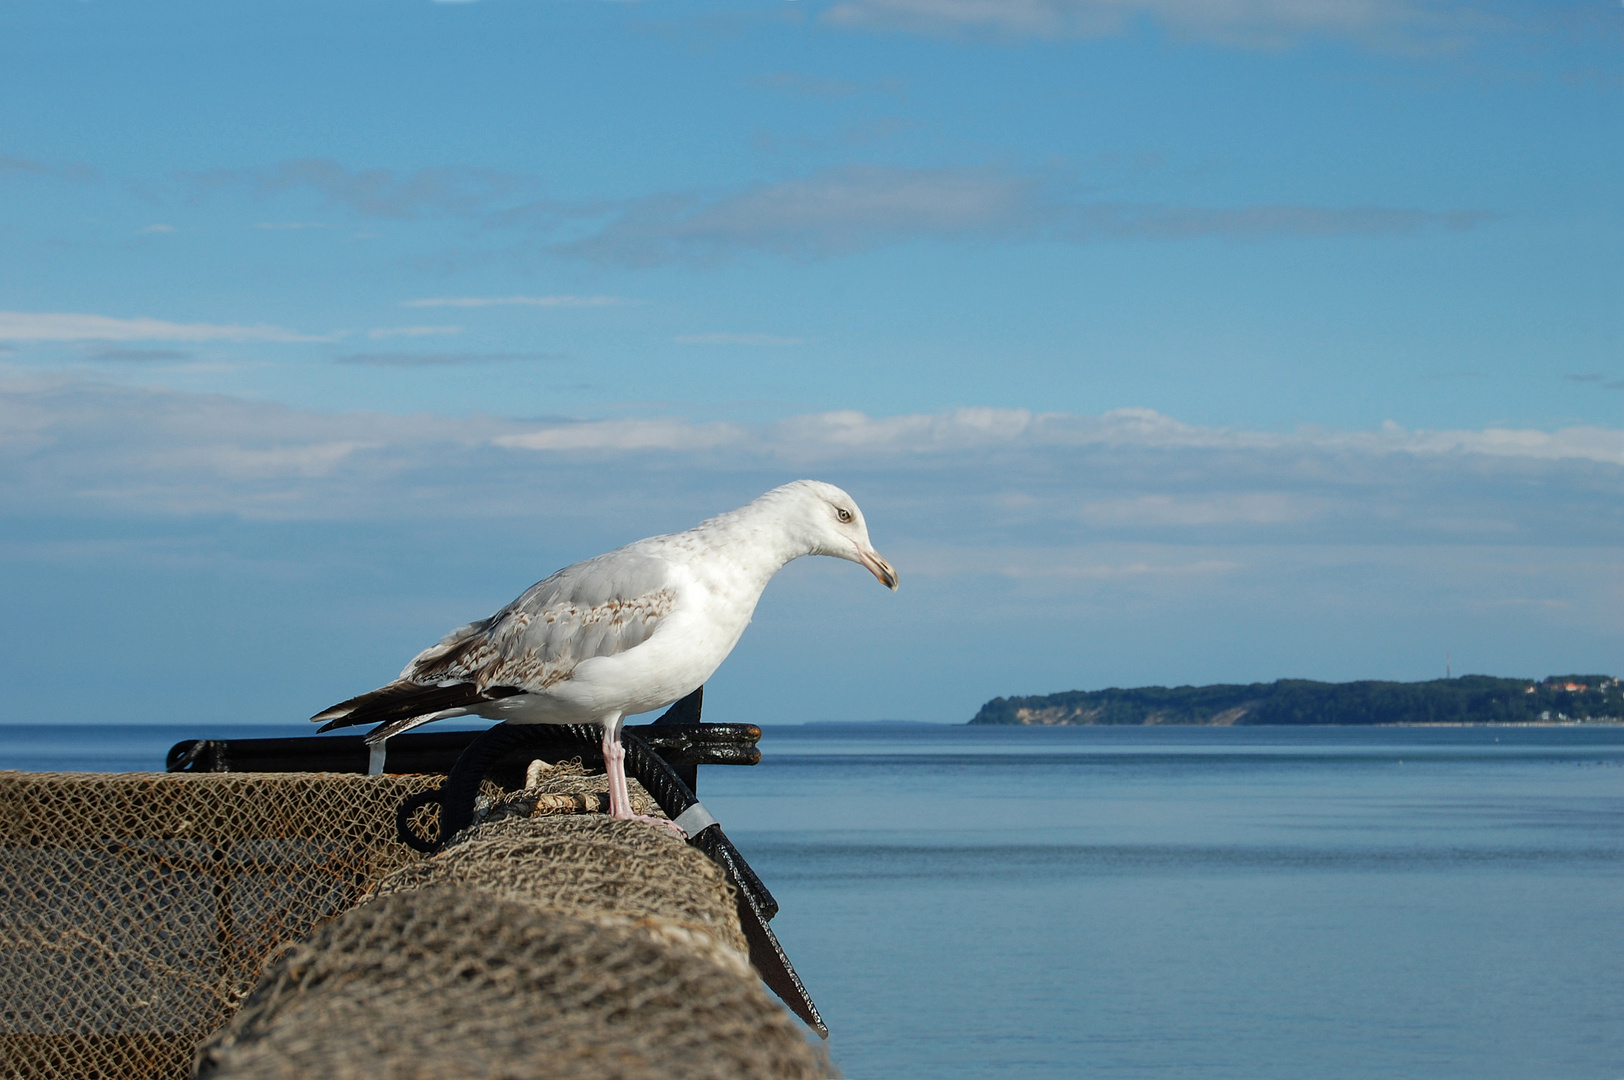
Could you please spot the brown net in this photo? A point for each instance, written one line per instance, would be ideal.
(609, 872)
(540, 943)
(444, 982)
(136, 909)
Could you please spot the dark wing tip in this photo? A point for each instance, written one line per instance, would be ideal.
(361, 705)
(405, 700)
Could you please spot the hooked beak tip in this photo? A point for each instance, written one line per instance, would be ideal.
(879, 568)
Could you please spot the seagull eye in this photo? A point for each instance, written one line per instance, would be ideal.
(843, 514)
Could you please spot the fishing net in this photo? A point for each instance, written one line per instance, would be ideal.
(136, 909)
(550, 946)
(521, 848)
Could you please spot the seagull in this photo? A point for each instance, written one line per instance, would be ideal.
(623, 633)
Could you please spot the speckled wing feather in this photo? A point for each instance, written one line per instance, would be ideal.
(600, 607)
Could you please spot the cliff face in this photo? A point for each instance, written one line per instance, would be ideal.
(1060, 715)
(1468, 699)
(1050, 715)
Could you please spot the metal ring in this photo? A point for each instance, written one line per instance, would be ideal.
(403, 821)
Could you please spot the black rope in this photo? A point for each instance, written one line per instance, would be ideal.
(183, 755)
(756, 904)
(674, 796)
(461, 788)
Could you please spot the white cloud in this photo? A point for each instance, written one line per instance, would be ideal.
(628, 435)
(987, 473)
(830, 213)
(1104, 539)
(439, 359)
(72, 326)
(514, 301)
(140, 355)
(859, 208)
(376, 192)
(1056, 550)
(411, 331)
(1251, 508)
(821, 436)
(826, 213)
(307, 461)
(80, 173)
(1404, 25)
(1049, 569)
(847, 431)
(736, 339)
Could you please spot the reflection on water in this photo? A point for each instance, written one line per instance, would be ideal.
(1170, 902)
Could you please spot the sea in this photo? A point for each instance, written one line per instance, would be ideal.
(1168, 902)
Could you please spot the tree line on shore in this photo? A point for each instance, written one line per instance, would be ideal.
(1469, 699)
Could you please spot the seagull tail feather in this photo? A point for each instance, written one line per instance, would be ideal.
(407, 700)
(388, 731)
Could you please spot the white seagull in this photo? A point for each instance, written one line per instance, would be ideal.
(624, 633)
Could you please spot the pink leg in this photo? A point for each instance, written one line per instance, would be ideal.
(614, 761)
(620, 799)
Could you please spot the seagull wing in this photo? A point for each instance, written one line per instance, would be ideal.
(600, 607)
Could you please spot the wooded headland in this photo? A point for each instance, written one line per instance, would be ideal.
(1469, 699)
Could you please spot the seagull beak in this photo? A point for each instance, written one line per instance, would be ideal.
(878, 567)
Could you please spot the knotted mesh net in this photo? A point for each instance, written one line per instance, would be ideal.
(548, 946)
(136, 909)
(136, 912)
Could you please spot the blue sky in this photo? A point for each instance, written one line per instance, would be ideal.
(1161, 340)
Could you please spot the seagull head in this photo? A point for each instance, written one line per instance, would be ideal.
(828, 521)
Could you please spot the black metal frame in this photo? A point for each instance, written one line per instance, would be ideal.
(683, 744)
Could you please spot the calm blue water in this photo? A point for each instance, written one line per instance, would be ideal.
(1119, 903)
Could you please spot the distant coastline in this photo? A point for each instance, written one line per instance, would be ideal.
(1467, 700)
